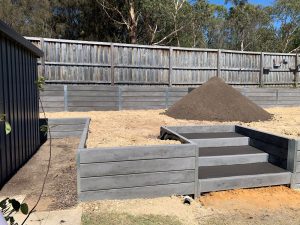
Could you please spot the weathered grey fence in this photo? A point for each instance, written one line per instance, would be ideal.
(18, 101)
(101, 98)
(110, 63)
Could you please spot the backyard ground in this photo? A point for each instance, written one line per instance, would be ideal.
(60, 190)
(261, 206)
(273, 205)
(141, 127)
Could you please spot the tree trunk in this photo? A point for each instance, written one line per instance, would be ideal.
(132, 23)
(242, 40)
(242, 45)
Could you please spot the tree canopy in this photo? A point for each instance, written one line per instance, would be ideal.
(186, 23)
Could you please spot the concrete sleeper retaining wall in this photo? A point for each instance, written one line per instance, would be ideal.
(162, 170)
(102, 98)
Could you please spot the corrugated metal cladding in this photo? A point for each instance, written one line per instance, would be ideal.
(18, 101)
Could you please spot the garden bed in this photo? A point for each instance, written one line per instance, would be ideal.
(142, 127)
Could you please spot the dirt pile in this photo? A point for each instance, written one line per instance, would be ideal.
(217, 101)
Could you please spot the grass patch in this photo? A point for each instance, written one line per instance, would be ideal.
(114, 218)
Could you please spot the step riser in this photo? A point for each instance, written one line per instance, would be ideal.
(232, 159)
(221, 142)
(250, 181)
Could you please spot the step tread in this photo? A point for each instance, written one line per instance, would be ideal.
(207, 172)
(229, 150)
(211, 135)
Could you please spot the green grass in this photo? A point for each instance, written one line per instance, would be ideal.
(114, 218)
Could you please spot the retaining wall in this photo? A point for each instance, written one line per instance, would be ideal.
(160, 170)
(136, 172)
(69, 127)
(296, 166)
(279, 148)
(100, 98)
(282, 151)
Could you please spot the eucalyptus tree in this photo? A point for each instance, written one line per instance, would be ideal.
(125, 13)
(245, 23)
(215, 29)
(287, 12)
(167, 22)
(28, 17)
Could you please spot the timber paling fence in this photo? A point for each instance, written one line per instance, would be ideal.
(18, 101)
(68, 61)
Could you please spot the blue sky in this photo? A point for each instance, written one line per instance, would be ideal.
(262, 2)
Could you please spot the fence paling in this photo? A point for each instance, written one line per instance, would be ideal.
(113, 63)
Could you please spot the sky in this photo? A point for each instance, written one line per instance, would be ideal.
(262, 2)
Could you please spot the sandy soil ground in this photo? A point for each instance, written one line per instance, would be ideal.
(141, 127)
(285, 122)
(274, 205)
(60, 189)
(262, 206)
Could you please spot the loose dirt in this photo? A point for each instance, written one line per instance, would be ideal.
(142, 127)
(60, 189)
(286, 122)
(166, 206)
(272, 205)
(265, 206)
(217, 101)
(274, 198)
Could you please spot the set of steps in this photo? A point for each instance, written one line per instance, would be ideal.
(226, 161)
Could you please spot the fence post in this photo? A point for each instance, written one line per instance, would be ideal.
(261, 73)
(219, 63)
(167, 97)
(66, 98)
(296, 79)
(293, 146)
(170, 66)
(112, 67)
(120, 105)
(197, 187)
(43, 58)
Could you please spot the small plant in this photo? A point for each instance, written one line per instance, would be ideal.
(7, 125)
(40, 82)
(8, 207)
(44, 129)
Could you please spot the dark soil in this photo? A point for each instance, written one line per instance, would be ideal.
(60, 190)
(217, 101)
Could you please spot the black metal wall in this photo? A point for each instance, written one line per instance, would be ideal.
(18, 101)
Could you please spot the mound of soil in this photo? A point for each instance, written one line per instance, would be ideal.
(217, 101)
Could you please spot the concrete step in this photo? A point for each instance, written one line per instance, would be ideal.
(217, 178)
(230, 155)
(217, 139)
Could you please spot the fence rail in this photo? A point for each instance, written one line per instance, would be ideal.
(71, 61)
(18, 101)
